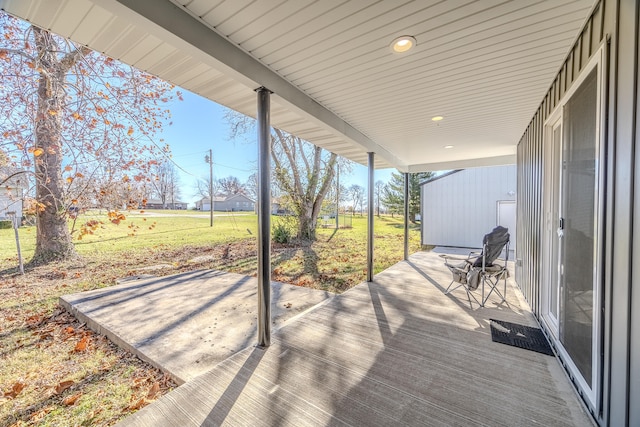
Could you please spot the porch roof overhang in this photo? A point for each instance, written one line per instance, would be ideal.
(482, 65)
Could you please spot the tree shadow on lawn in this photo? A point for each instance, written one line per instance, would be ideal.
(78, 243)
(12, 271)
(415, 226)
(289, 252)
(335, 231)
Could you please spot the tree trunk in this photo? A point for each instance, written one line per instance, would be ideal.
(307, 226)
(53, 240)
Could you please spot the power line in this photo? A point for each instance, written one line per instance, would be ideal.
(234, 168)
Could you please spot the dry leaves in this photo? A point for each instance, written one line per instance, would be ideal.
(34, 320)
(63, 386)
(82, 344)
(138, 405)
(39, 415)
(155, 388)
(71, 400)
(162, 383)
(15, 390)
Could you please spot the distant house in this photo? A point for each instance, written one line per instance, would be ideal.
(460, 207)
(278, 207)
(204, 204)
(178, 205)
(12, 185)
(235, 203)
(157, 204)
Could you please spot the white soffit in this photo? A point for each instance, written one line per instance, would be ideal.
(484, 65)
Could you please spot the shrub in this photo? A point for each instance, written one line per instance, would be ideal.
(6, 223)
(281, 232)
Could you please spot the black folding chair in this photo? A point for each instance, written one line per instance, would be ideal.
(482, 270)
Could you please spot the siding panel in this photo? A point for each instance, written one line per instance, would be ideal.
(529, 157)
(619, 21)
(460, 208)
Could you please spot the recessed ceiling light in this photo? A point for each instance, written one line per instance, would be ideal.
(403, 44)
(437, 118)
(448, 146)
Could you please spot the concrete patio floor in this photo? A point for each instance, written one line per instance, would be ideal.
(396, 351)
(187, 323)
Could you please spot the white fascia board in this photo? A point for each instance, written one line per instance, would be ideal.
(464, 164)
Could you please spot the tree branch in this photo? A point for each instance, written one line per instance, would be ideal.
(18, 52)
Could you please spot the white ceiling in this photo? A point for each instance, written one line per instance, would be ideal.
(484, 65)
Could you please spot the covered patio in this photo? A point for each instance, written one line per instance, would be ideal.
(483, 83)
(394, 351)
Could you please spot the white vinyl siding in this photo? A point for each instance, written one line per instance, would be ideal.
(459, 209)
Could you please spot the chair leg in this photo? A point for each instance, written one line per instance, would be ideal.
(469, 294)
(494, 287)
(449, 290)
(504, 295)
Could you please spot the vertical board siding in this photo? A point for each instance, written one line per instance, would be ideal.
(530, 160)
(634, 368)
(623, 304)
(618, 20)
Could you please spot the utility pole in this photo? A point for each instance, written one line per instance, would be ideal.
(209, 159)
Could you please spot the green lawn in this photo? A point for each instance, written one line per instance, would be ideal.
(139, 231)
(344, 249)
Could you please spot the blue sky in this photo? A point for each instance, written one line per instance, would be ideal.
(199, 125)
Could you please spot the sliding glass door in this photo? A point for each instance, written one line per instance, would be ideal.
(573, 226)
(577, 237)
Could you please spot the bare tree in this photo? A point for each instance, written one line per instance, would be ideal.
(302, 172)
(66, 112)
(356, 193)
(166, 183)
(379, 185)
(203, 188)
(231, 185)
(251, 186)
(305, 172)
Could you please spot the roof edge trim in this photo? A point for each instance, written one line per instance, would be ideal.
(464, 164)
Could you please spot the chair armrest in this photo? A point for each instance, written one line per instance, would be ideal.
(454, 258)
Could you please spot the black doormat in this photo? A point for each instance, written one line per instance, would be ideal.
(520, 336)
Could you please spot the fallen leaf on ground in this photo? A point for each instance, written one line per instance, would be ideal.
(15, 390)
(138, 382)
(70, 400)
(139, 404)
(91, 415)
(82, 344)
(34, 320)
(63, 386)
(39, 415)
(155, 388)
